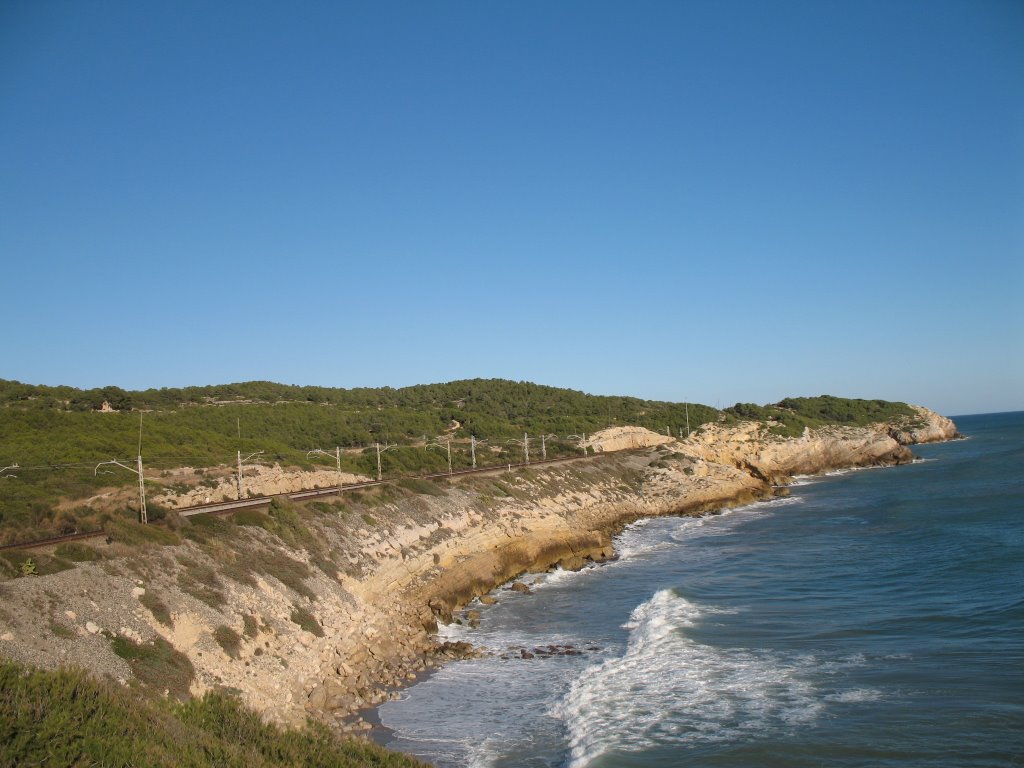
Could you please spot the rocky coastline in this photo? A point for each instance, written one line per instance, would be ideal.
(336, 619)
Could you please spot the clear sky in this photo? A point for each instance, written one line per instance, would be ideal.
(712, 201)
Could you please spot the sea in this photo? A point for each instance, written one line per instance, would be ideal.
(872, 618)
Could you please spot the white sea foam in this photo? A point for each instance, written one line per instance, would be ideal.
(667, 688)
(805, 480)
(854, 696)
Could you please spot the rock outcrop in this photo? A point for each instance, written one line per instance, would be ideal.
(307, 635)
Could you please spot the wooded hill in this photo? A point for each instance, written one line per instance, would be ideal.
(58, 434)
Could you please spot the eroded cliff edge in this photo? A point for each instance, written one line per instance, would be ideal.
(323, 609)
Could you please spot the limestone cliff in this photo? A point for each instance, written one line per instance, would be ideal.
(324, 612)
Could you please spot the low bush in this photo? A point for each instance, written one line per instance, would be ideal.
(157, 664)
(425, 487)
(138, 535)
(157, 607)
(228, 639)
(69, 718)
(306, 621)
(78, 553)
(202, 583)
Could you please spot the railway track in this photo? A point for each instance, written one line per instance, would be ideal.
(263, 501)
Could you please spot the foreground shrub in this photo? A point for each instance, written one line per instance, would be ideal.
(68, 718)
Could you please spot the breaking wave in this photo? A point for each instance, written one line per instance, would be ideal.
(669, 689)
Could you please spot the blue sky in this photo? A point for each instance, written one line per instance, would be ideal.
(710, 201)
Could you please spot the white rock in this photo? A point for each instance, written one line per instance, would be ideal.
(138, 591)
(131, 634)
(91, 628)
(71, 615)
(7, 636)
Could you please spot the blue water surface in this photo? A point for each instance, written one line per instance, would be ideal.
(873, 618)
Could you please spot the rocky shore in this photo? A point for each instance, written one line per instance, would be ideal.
(326, 610)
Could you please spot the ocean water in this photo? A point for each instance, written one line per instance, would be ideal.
(873, 618)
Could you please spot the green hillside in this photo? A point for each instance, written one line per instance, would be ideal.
(57, 435)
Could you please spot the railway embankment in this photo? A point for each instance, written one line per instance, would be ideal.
(324, 607)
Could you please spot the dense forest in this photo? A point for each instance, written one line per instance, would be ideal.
(57, 435)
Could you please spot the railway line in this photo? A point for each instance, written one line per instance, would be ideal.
(335, 490)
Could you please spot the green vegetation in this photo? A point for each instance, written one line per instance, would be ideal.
(57, 435)
(306, 620)
(157, 607)
(422, 487)
(19, 563)
(77, 553)
(228, 639)
(68, 718)
(792, 415)
(157, 665)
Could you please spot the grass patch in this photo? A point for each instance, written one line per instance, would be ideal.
(202, 528)
(68, 718)
(77, 553)
(138, 535)
(336, 507)
(15, 563)
(61, 631)
(306, 621)
(157, 664)
(423, 487)
(252, 517)
(202, 583)
(290, 572)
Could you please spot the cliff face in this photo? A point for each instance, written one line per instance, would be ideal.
(325, 616)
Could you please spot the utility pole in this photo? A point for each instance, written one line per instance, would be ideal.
(447, 445)
(687, 406)
(137, 469)
(543, 445)
(472, 449)
(337, 458)
(387, 447)
(525, 442)
(581, 440)
(240, 460)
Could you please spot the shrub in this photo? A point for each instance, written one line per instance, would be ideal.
(67, 718)
(61, 631)
(306, 620)
(425, 487)
(157, 664)
(290, 572)
(78, 553)
(157, 608)
(202, 528)
(138, 535)
(251, 517)
(202, 583)
(228, 639)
